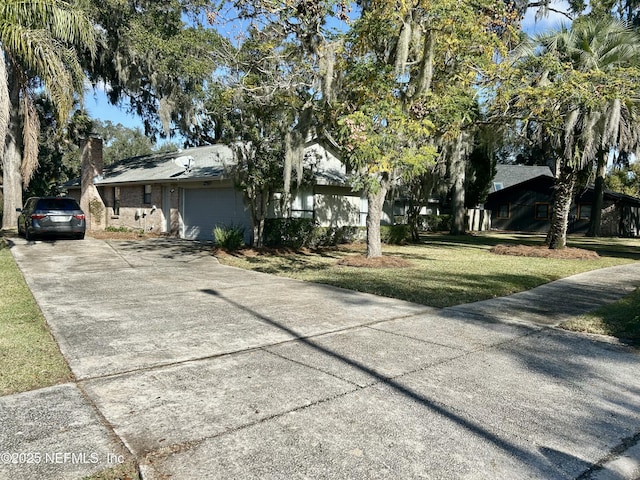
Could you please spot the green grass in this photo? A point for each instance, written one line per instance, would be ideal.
(620, 319)
(125, 471)
(29, 357)
(445, 270)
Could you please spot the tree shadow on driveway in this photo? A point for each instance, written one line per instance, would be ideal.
(541, 461)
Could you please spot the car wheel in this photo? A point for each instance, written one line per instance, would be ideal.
(20, 231)
(28, 236)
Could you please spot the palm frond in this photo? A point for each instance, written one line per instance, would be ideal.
(31, 131)
(41, 36)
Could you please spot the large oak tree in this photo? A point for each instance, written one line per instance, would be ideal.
(407, 90)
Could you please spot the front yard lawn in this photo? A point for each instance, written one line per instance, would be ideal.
(29, 357)
(620, 319)
(443, 270)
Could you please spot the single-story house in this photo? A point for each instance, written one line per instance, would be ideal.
(526, 205)
(187, 193)
(509, 175)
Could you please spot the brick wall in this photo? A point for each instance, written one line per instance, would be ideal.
(134, 213)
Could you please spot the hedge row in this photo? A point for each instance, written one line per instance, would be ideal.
(303, 232)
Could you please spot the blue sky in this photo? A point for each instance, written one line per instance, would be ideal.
(98, 106)
(96, 103)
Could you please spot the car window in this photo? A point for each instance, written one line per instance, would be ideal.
(30, 203)
(65, 204)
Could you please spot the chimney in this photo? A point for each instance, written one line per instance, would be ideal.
(91, 171)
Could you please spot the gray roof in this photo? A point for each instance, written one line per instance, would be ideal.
(191, 164)
(196, 164)
(509, 175)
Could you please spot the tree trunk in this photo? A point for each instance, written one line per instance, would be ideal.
(12, 161)
(563, 196)
(5, 105)
(598, 196)
(458, 173)
(258, 234)
(420, 189)
(259, 205)
(374, 215)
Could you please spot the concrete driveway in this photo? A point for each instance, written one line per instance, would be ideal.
(206, 371)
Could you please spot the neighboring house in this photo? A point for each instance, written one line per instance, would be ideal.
(526, 205)
(509, 175)
(187, 193)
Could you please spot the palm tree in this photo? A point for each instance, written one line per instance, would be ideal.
(584, 100)
(39, 44)
(603, 45)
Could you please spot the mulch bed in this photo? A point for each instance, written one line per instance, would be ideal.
(350, 261)
(377, 262)
(133, 235)
(545, 252)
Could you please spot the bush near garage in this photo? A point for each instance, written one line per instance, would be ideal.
(229, 237)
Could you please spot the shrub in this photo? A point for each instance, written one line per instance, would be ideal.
(331, 236)
(395, 234)
(230, 237)
(114, 229)
(96, 208)
(302, 232)
(288, 232)
(436, 223)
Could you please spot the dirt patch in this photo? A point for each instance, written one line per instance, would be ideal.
(545, 252)
(250, 252)
(132, 235)
(348, 261)
(377, 262)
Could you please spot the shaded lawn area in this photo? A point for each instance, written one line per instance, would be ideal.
(29, 357)
(443, 270)
(620, 319)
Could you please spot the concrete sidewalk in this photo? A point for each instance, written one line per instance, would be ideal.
(206, 371)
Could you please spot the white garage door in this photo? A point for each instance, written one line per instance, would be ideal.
(205, 208)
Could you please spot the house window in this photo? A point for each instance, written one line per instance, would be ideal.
(399, 208)
(497, 186)
(302, 205)
(364, 211)
(584, 211)
(503, 210)
(147, 195)
(116, 200)
(542, 211)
